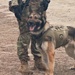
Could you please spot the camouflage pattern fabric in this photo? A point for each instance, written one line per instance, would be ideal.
(22, 47)
(34, 49)
(24, 37)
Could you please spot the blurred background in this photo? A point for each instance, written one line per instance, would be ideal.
(3, 2)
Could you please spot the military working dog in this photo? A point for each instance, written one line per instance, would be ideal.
(48, 37)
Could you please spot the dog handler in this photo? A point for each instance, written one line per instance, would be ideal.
(17, 6)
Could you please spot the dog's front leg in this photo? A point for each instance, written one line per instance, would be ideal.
(51, 53)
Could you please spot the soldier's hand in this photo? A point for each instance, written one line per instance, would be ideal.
(10, 8)
(44, 4)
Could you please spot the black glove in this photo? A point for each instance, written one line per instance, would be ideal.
(44, 4)
(10, 5)
(17, 11)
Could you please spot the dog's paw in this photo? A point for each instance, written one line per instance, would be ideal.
(73, 68)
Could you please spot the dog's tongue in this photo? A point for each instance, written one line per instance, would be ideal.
(31, 28)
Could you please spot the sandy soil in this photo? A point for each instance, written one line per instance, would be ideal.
(60, 12)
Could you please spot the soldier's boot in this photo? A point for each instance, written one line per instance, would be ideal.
(40, 65)
(73, 68)
(23, 67)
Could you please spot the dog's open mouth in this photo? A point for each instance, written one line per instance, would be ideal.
(31, 28)
(34, 26)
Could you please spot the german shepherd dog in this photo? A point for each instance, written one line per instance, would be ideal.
(49, 37)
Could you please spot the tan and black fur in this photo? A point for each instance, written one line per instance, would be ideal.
(51, 46)
(47, 44)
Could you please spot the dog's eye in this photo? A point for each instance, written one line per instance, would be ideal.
(36, 17)
(30, 16)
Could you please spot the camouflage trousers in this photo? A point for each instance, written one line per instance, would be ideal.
(23, 44)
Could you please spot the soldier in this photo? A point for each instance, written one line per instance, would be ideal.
(17, 7)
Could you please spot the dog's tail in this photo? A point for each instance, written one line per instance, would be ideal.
(71, 32)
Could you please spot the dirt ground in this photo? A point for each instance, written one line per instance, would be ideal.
(60, 12)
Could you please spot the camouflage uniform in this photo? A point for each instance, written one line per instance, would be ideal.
(24, 37)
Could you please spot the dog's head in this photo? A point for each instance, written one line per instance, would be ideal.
(35, 22)
(36, 19)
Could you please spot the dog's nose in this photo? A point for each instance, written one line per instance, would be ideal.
(31, 22)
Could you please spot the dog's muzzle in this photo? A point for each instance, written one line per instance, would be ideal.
(34, 26)
(34, 23)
